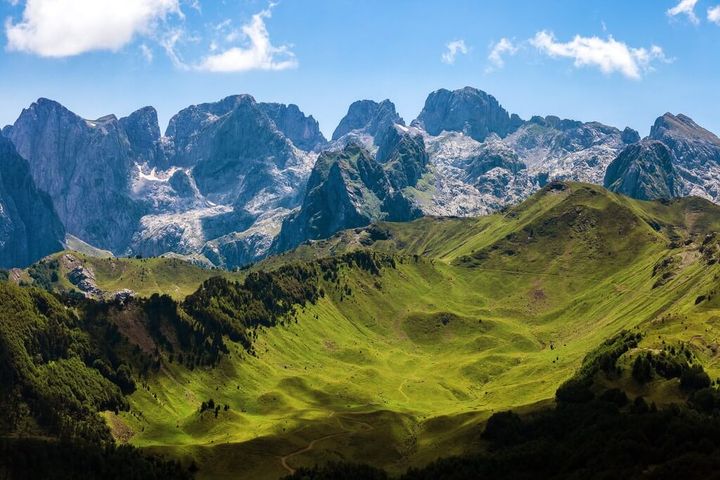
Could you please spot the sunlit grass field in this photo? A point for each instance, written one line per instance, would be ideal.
(479, 315)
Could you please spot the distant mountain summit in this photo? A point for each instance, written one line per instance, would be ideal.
(143, 134)
(468, 110)
(369, 118)
(678, 158)
(303, 131)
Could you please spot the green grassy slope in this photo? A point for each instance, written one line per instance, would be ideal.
(478, 315)
(145, 276)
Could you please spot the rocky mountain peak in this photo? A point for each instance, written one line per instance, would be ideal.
(681, 126)
(644, 170)
(630, 136)
(46, 110)
(84, 165)
(348, 188)
(368, 117)
(467, 110)
(303, 131)
(186, 128)
(143, 133)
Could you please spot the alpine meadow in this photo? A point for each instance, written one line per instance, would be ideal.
(472, 294)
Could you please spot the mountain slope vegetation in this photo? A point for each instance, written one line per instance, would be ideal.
(393, 344)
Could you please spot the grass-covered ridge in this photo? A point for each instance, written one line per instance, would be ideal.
(400, 366)
(393, 344)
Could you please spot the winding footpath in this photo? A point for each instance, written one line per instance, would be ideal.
(284, 459)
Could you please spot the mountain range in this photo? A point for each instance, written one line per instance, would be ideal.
(234, 181)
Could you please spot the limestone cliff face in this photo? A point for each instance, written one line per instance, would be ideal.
(367, 121)
(85, 167)
(645, 171)
(467, 110)
(303, 131)
(29, 226)
(347, 189)
(696, 153)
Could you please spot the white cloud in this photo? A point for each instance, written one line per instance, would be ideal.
(147, 53)
(63, 28)
(257, 54)
(454, 48)
(498, 50)
(685, 7)
(609, 55)
(713, 14)
(169, 43)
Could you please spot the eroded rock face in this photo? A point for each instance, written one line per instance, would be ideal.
(143, 133)
(403, 156)
(29, 226)
(244, 153)
(303, 132)
(368, 118)
(119, 185)
(85, 167)
(568, 149)
(645, 171)
(347, 189)
(468, 110)
(696, 153)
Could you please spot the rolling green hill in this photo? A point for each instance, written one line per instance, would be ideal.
(404, 366)
(393, 344)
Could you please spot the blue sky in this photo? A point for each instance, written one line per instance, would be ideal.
(619, 62)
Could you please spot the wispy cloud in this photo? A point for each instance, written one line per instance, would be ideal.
(687, 8)
(169, 42)
(64, 28)
(452, 50)
(498, 51)
(258, 52)
(146, 52)
(713, 14)
(609, 55)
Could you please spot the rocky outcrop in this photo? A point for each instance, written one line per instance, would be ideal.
(403, 156)
(366, 118)
(696, 153)
(29, 226)
(468, 110)
(645, 171)
(143, 133)
(346, 189)
(84, 280)
(567, 149)
(303, 132)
